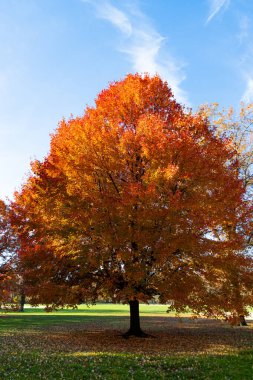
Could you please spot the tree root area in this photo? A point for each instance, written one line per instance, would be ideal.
(173, 337)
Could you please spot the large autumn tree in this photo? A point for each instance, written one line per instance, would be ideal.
(125, 204)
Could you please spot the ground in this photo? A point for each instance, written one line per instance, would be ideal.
(88, 344)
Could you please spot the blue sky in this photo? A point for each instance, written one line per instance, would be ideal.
(57, 55)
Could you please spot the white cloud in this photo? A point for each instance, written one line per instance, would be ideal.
(215, 8)
(144, 53)
(112, 14)
(143, 45)
(243, 29)
(248, 93)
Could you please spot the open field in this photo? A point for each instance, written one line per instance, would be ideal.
(87, 344)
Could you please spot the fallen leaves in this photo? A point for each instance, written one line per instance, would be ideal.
(72, 347)
(171, 337)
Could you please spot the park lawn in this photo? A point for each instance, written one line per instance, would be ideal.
(87, 344)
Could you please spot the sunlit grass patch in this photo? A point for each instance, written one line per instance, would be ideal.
(98, 309)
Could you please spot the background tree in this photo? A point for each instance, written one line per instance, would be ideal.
(123, 205)
(12, 287)
(7, 276)
(238, 127)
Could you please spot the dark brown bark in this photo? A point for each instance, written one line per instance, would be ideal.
(22, 302)
(242, 321)
(135, 327)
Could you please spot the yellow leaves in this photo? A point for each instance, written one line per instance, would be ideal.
(170, 172)
(160, 176)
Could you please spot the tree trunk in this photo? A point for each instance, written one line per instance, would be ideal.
(135, 328)
(242, 320)
(22, 302)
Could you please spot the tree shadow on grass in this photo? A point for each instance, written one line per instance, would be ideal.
(76, 333)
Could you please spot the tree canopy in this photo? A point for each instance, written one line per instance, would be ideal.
(127, 202)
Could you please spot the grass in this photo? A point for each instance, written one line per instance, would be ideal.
(116, 366)
(87, 344)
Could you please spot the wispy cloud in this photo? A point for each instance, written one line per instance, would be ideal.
(215, 7)
(245, 57)
(143, 45)
(114, 15)
(248, 94)
(243, 29)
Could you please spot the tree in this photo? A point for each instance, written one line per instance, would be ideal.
(238, 127)
(4, 267)
(12, 287)
(124, 204)
(7, 276)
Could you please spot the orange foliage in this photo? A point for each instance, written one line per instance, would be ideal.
(124, 204)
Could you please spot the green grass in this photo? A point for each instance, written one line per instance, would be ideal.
(87, 344)
(115, 366)
(100, 308)
(36, 317)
